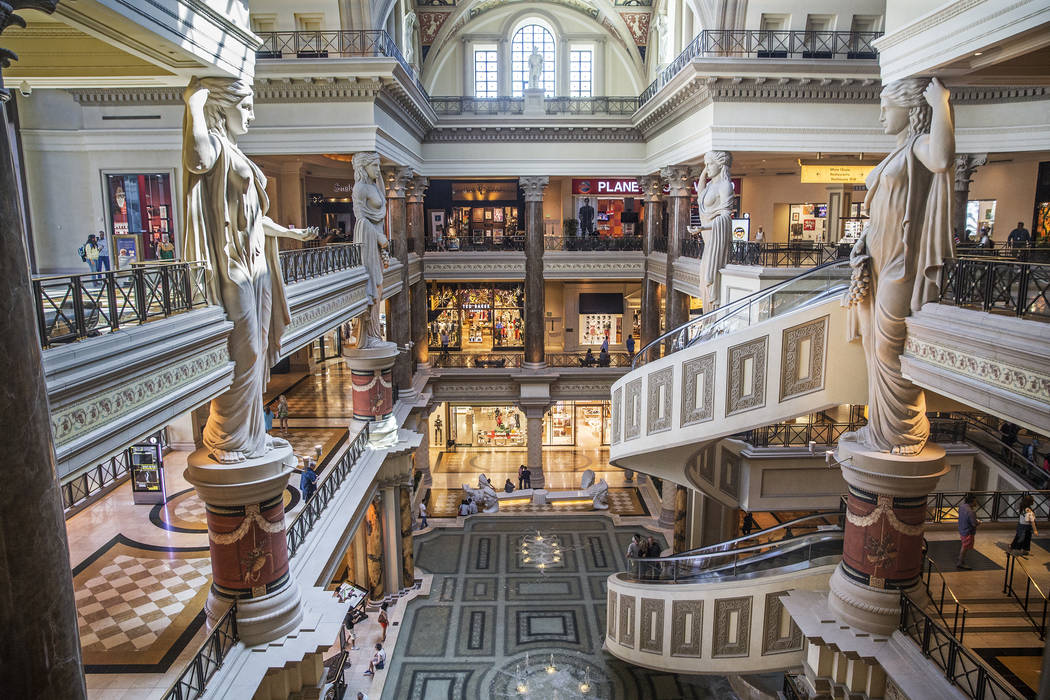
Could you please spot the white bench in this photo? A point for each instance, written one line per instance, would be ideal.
(514, 495)
(579, 495)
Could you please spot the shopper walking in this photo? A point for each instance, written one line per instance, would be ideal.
(968, 523)
(103, 252)
(268, 417)
(89, 253)
(630, 347)
(748, 525)
(1025, 528)
(521, 476)
(282, 412)
(1019, 237)
(422, 515)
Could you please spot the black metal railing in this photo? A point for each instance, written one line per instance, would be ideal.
(326, 490)
(944, 598)
(74, 307)
(999, 286)
(452, 105)
(991, 506)
(579, 359)
(692, 247)
(961, 666)
(465, 104)
(334, 43)
(464, 360)
(1034, 601)
(798, 434)
(304, 263)
(764, 43)
(478, 244)
(624, 106)
(617, 244)
(659, 244)
(1004, 251)
(983, 430)
(77, 492)
(209, 658)
(786, 254)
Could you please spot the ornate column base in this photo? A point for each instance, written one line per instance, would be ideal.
(371, 372)
(882, 546)
(534, 365)
(249, 547)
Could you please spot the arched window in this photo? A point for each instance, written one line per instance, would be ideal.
(531, 36)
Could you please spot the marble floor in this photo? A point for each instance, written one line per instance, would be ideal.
(562, 466)
(494, 620)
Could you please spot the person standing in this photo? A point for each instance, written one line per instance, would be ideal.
(165, 249)
(634, 551)
(1025, 528)
(968, 523)
(605, 344)
(748, 525)
(422, 515)
(1019, 237)
(760, 237)
(528, 478)
(1031, 450)
(89, 253)
(986, 240)
(444, 343)
(308, 481)
(282, 412)
(630, 347)
(384, 619)
(103, 252)
(268, 417)
(521, 476)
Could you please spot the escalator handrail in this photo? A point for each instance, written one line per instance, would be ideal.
(823, 535)
(733, 307)
(759, 533)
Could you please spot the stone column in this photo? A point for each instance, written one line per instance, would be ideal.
(534, 443)
(244, 506)
(391, 537)
(374, 548)
(291, 189)
(882, 543)
(371, 378)
(966, 165)
(652, 191)
(399, 320)
(681, 520)
(668, 498)
(417, 231)
(535, 355)
(408, 568)
(41, 645)
(422, 456)
(680, 178)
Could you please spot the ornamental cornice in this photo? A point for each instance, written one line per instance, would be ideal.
(534, 134)
(924, 23)
(1006, 376)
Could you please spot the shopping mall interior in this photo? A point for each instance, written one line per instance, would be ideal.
(478, 349)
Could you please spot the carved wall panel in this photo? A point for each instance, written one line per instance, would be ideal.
(632, 409)
(658, 405)
(698, 390)
(686, 624)
(746, 388)
(730, 483)
(610, 616)
(732, 630)
(616, 416)
(802, 359)
(651, 637)
(780, 634)
(627, 620)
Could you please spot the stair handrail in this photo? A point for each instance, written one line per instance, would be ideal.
(959, 619)
(725, 545)
(722, 312)
(1008, 589)
(657, 567)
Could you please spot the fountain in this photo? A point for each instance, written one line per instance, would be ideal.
(563, 677)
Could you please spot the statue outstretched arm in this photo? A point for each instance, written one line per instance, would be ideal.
(937, 151)
(272, 228)
(200, 149)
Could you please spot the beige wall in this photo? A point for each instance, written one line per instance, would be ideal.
(1012, 186)
(762, 193)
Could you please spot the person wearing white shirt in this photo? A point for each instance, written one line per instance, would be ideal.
(378, 661)
(422, 515)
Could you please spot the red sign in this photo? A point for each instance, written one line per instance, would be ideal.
(619, 186)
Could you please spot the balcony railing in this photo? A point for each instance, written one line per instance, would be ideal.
(454, 105)
(335, 43)
(983, 431)
(74, 307)
(764, 43)
(786, 254)
(961, 666)
(191, 683)
(617, 244)
(303, 263)
(692, 247)
(659, 244)
(798, 434)
(1006, 287)
(478, 244)
(502, 360)
(1034, 602)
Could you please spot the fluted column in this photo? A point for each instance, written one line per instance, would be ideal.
(399, 320)
(40, 648)
(652, 189)
(408, 567)
(966, 165)
(417, 233)
(533, 187)
(668, 494)
(680, 179)
(534, 443)
(422, 457)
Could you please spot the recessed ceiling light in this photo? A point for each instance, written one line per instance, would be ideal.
(977, 53)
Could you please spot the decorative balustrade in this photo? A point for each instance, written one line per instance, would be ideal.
(998, 286)
(1034, 602)
(593, 243)
(477, 244)
(74, 307)
(659, 244)
(208, 659)
(334, 43)
(798, 434)
(304, 263)
(764, 43)
(786, 254)
(692, 247)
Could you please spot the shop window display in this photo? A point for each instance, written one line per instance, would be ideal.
(477, 319)
(489, 426)
(595, 328)
(578, 424)
(141, 217)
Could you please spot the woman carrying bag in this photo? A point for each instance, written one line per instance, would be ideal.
(1025, 527)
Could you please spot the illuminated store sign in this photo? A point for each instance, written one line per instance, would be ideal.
(835, 174)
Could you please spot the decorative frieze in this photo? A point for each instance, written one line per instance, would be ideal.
(732, 628)
(651, 637)
(686, 625)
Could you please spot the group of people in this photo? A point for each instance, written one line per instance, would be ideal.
(1020, 237)
(524, 479)
(277, 409)
(968, 522)
(642, 547)
(604, 359)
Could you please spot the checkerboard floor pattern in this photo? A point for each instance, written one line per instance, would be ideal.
(323, 394)
(132, 600)
(191, 509)
(626, 501)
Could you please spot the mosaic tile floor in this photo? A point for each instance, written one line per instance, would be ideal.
(494, 619)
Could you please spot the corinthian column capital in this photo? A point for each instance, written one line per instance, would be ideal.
(652, 187)
(416, 188)
(679, 178)
(966, 165)
(397, 181)
(533, 186)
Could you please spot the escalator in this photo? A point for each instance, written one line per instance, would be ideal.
(768, 357)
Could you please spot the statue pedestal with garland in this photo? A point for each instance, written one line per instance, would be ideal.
(371, 371)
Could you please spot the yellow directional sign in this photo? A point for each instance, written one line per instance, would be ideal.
(836, 174)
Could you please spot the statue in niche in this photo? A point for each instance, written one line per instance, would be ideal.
(715, 203)
(226, 227)
(897, 261)
(369, 197)
(535, 69)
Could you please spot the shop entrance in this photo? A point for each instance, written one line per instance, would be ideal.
(577, 424)
(489, 426)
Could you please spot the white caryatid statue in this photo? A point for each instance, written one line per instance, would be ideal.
(226, 227)
(369, 197)
(535, 69)
(409, 33)
(715, 204)
(897, 260)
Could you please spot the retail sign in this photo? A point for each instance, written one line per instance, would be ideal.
(623, 186)
(147, 472)
(836, 174)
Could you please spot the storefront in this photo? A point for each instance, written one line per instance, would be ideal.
(567, 423)
(465, 215)
(488, 426)
(601, 318)
(980, 216)
(141, 218)
(577, 423)
(476, 318)
(808, 222)
(607, 206)
(330, 208)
